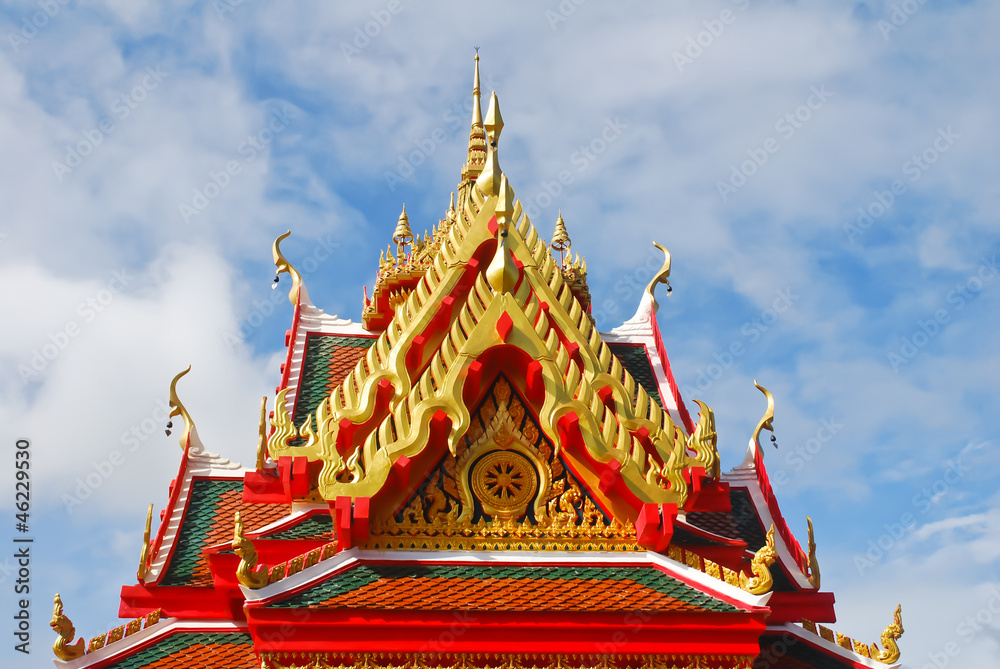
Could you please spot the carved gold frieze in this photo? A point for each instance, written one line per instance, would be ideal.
(499, 661)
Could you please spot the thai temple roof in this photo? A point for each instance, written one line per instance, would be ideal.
(473, 475)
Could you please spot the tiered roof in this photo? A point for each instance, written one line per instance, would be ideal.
(475, 476)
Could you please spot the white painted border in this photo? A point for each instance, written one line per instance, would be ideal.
(160, 630)
(818, 641)
(348, 558)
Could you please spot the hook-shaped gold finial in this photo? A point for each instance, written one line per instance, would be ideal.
(281, 264)
(144, 555)
(768, 417)
(662, 276)
(177, 408)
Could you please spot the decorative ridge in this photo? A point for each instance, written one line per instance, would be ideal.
(705, 566)
(125, 630)
(888, 654)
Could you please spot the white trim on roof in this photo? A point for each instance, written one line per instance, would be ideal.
(322, 570)
(160, 630)
(639, 330)
(816, 640)
(202, 465)
(313, 320)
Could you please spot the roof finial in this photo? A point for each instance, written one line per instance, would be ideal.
(477, 136)
(402, 235)
(560, 238)
(63, 647)
(144, 554)
(494, 121)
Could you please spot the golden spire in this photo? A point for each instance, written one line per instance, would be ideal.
(452, 214)
(560, 238)
(477, 136)
(489, 179)
(144, 555)
(502, 272)
(402, 235)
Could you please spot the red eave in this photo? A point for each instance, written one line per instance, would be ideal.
(661, 351)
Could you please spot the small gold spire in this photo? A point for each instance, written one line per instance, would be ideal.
(403, 235)
(144, 555)
(451, 216)
(494, 121)
(560, 238)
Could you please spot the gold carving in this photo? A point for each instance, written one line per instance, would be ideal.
(246, 572)
(281, 264)
(767, 419)
(890, 651)
(814, 575)
(177, 408)
(504, 482)
(144, 555)
(761, 582)
(366, 660)
(64, 648)
(663, 276)
(703, 441)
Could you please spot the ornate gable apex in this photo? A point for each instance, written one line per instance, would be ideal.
(493, 297)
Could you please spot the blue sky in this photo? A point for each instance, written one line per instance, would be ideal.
(743, 135)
